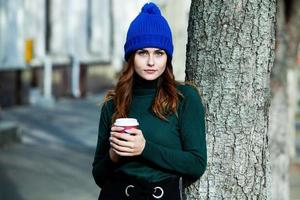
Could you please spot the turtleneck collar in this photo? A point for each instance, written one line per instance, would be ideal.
(143, 87)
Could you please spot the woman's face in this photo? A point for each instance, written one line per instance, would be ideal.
(150, 63)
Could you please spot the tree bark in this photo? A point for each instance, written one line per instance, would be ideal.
(230, 53)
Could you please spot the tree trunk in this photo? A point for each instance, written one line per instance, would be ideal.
(230, 53)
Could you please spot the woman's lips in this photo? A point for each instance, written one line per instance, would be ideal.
(150, 71)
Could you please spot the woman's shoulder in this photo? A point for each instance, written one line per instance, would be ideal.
(108, 102)
(187, 89)
(190, 96)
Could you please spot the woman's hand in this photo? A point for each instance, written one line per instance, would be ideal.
(123, 144)
(112, 154)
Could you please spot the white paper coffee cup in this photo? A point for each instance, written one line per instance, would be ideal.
(127, 123)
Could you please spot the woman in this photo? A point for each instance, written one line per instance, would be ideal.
(169, 143)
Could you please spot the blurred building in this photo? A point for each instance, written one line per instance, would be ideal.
(53, 48)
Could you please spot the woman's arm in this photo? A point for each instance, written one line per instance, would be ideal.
(103, 165)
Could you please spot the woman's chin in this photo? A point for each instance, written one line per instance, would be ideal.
(149, 77)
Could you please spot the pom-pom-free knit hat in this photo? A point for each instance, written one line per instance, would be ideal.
(149, 29)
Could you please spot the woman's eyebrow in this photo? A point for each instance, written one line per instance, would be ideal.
(159, 51)
(142, 50)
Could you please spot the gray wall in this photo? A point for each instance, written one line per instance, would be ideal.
(93, 30)
(77, 27)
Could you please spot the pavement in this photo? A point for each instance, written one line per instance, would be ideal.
(294, 180)
(54, 159)
(294, 171)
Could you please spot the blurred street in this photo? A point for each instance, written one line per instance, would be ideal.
(54, 159)
(295, 169)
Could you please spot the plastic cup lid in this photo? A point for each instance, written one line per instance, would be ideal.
(126, 122)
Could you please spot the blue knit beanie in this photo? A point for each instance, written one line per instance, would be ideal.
(149, 29)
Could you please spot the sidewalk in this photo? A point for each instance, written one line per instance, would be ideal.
(294, 173)
(295, 180)
(54, 160)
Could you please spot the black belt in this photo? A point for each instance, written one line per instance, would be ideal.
(157, 192)
(134, 188)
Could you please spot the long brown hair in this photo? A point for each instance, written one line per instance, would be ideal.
(166, 99)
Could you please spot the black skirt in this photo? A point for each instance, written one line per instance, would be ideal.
(125, 187)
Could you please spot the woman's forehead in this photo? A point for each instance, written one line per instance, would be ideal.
(151, 49)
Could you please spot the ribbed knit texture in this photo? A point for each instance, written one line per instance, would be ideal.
(149, 29)
(173, 147)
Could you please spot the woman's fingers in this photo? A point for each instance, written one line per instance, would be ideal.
(121, 148)
(130, 144)
(121, 136)
(134, 131)
(117, 128)
(120, 153)
(120, 142)
(127, 148)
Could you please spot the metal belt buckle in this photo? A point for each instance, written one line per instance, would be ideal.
(161, 192)
(126, 189)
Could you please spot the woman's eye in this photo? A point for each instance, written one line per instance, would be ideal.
(159, 53)
(142, 53)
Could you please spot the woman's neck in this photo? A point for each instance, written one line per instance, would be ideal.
(143, 87)
(140, 83)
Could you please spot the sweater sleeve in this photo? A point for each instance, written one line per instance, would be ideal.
(191, 160)
(103, 166)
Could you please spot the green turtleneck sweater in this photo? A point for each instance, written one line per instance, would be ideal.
(173, 147)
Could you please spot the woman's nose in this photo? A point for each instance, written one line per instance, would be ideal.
(150, 60)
